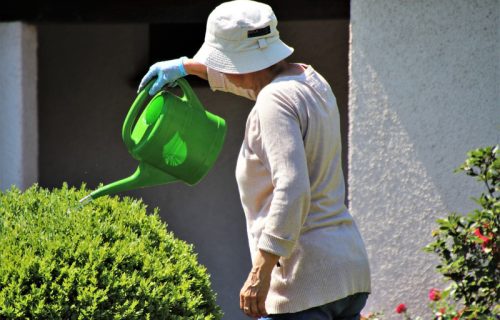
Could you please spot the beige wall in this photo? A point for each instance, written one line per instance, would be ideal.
(423, 91)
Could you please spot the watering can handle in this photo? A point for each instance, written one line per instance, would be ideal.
(139, 102)
(189, 93)
(132, 115)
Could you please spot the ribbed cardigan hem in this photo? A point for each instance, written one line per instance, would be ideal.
(303, 300)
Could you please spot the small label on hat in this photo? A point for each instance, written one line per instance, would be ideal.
(259, 32)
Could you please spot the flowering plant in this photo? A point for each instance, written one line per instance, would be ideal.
(441, 306)
(468, 246)
(439, 303)
(469, 250)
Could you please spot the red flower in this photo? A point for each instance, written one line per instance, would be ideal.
(478, 233)
(484, 239)
(434, 294)
(455, 318)
(401, 308)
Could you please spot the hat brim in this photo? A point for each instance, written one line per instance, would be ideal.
(243, 61)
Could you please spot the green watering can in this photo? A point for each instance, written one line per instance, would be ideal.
(174, 139)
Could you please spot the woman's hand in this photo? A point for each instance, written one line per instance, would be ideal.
(254, 292)
(171, 70)
(165, 72)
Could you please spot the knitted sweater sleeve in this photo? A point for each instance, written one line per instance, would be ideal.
(281, 149)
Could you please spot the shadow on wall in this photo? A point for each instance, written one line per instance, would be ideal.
(86, 77)
(85, 93)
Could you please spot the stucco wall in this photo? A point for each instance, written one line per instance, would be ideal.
(18, 105)
(423, 91)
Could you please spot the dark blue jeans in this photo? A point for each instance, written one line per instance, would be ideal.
(348, 308)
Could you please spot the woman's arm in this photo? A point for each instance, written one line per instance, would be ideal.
(195, 68)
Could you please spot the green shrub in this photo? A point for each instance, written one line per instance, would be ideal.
(469, 245)
(106, 260)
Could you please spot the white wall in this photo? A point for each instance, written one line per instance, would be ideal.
(423, 91)
(18, 105)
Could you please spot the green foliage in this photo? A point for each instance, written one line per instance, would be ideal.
(106, 260)
(468, 245)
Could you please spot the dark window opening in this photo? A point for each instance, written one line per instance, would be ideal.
(173, 40)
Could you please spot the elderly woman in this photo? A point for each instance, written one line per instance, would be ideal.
(309, 260)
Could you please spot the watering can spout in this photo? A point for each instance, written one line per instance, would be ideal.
(146, 175)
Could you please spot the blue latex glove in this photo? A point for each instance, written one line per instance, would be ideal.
(166, 72)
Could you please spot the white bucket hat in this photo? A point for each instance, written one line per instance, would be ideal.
(241, 37)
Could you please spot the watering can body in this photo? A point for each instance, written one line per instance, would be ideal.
(174, 139)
